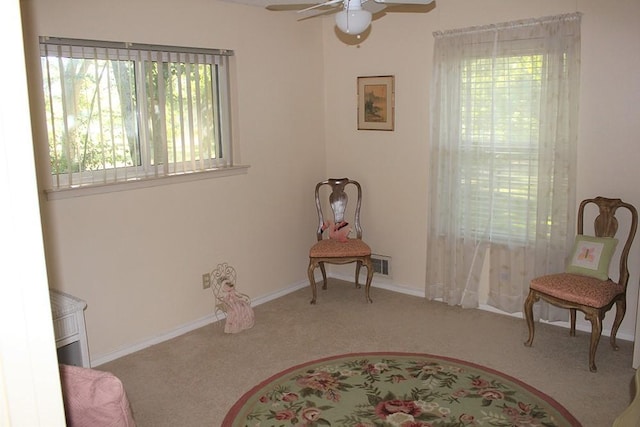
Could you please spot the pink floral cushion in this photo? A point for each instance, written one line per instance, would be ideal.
(577, 288)
(94, 398)
(331, 248)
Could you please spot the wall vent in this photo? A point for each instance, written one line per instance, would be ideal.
(381, 265)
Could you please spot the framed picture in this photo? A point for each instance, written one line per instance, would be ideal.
(375, 103)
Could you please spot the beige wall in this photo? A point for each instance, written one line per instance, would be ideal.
(137, 256)
(392, 165)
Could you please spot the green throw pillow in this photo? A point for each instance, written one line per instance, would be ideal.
(591, 256)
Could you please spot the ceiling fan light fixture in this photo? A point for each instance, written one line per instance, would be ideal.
(354, 21)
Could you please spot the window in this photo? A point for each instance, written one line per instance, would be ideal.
(502, 158)
(500, 106)
(119, 112)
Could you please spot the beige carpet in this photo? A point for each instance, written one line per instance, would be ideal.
(194, 379)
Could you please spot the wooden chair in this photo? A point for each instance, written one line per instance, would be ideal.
(337, 249)
(631, 416)
(576, 289)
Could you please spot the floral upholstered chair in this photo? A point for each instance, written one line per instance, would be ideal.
(631, 416)
(585, 285)
(339, 247)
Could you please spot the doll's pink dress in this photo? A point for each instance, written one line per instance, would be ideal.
(238, 308)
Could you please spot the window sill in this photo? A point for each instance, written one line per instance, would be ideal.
(90, 190)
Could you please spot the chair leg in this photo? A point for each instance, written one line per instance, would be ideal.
(324, 275)
(312, 280)
(358, 266)
(621, 308)
(367, 286)
(528, 314)
(572, 330)
(596, 330)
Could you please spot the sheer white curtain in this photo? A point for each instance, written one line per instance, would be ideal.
(502, 158)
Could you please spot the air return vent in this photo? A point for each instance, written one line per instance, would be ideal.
(381, 265)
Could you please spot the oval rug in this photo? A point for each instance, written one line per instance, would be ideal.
(395, 389)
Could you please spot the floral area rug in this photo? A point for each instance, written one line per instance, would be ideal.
(395, 389)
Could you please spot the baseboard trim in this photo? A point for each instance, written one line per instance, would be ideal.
(204, 321)
(566, 325)
(183, 329)
(187, 327)
(382, 284)
(414, 292)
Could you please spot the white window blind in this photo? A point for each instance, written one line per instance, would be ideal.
(500, 109)
(118, 112)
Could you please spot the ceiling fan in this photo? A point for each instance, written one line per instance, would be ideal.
(355, 16)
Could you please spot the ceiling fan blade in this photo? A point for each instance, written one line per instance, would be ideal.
(373, 7)
(315, 6)
(407, 8)
(403, 1)
(286, 7)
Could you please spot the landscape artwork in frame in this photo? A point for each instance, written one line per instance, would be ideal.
(375, 103)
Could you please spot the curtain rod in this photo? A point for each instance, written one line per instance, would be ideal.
(513, 24)
(61, 41)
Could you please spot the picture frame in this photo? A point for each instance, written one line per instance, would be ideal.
(376, 103)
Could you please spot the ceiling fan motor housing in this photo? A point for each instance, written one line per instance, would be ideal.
(353, 19)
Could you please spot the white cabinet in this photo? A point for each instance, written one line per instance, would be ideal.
(69, 329)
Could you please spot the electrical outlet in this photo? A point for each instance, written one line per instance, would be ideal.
(206, 280)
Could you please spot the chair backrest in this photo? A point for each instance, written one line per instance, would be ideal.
(337, 204)
(606, 225)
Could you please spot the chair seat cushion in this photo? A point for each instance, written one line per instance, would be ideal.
(330, 248)
(578, 289)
